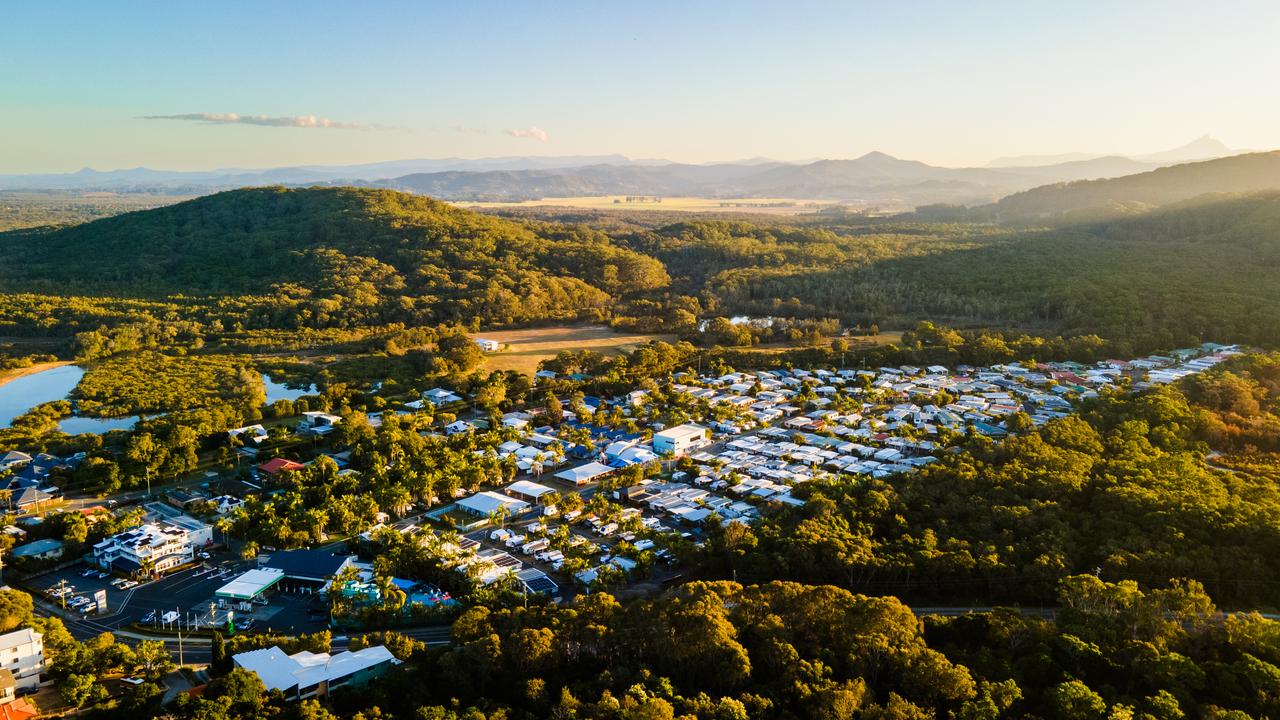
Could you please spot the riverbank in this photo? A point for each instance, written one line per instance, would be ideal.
(8, 376)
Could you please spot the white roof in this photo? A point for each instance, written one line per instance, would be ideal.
(250, 584)
(681, 432)
(19, 637)
(279, 671)
(529, 488)
(584, 472)
(484, 503)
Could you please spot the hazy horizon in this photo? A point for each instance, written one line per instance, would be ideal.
(239, 85)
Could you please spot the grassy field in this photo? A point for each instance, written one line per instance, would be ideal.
(886, 337)
(769, 206)
(524, 349)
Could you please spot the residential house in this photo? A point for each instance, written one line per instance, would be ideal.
(161, 545)
(307, 674)
(47, 549)
(22, 653)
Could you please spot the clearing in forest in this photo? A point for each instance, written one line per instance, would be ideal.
(522, 350)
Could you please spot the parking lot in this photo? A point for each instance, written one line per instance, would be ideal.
(190, 594)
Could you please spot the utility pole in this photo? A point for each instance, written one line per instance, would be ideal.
(180, 662)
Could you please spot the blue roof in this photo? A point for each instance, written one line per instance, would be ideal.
(37, 547)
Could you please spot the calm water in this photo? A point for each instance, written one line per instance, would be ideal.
(97, 426)
(21, 395)
(280, 391)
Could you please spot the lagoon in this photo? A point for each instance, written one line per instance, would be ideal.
(97, 426)
(280, 391)
(21, 394)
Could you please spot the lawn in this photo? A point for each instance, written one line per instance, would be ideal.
(523, 349)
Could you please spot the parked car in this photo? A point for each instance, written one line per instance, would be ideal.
(132, 680)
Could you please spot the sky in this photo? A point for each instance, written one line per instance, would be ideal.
(186, 85)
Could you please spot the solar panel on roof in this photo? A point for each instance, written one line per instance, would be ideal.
(541, 585)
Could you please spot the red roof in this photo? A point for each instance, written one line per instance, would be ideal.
(19, 709)
(279, 465)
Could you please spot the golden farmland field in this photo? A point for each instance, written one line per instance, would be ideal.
(774, 206)
(523, 349)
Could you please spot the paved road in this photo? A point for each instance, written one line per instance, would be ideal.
(193, 650)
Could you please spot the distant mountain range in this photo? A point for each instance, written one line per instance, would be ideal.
(872, 179)
(1094, 200)
(1202, 148)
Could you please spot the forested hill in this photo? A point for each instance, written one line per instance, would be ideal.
(1093, 200)
(342, 248)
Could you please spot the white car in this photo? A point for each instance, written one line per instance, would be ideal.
(515, 540)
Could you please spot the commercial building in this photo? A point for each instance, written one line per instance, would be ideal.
(251, 585)
(308, 569)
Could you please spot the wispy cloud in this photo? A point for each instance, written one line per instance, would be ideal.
(532, 133)
(297, 121)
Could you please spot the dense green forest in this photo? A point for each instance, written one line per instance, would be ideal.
(725, 651)
(321, 259)
(335, 257)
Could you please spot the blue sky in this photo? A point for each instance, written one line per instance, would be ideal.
(945, 82)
